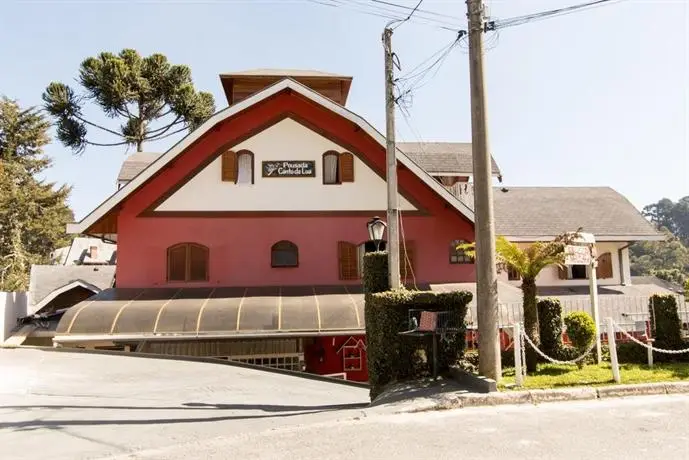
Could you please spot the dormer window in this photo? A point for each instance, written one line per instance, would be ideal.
(238, 167)
(338, 167)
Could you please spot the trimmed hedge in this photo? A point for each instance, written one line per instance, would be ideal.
(666, 326)
(390, 356)
(550, 326)
(581, 331)
(394, 357)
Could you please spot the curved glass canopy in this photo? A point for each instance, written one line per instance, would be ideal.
(129, 313)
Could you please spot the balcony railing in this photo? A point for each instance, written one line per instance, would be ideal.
(464, 191)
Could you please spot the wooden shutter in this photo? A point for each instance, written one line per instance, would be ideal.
(177, 263)
(407, 260)
(229, 167)
(347, 260)
(198, 262)
(562, 273)
(346, 167)
(604, 269)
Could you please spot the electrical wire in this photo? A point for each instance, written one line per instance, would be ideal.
(418, 10)
(525, 19)
(410, 14)
(395, 16)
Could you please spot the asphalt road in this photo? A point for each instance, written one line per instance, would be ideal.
(75, 406)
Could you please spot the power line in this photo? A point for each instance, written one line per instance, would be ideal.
(388, 13)
(519, 20)
(419, 10)
(410, 14)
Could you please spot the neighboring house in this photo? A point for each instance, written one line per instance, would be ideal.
(86, 251)
(244, 241)
(527, 214)
(52, 290)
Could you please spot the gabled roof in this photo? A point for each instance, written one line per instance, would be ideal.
(78, 252)
(539, 213)
(286, 84)
(45, 279)
(443, 158)
(135, 163)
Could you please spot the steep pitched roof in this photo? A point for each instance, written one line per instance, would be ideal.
(530, 213)
(135, 163)
(78, 252)
(286, 84)
(45, 279)
(443, 157)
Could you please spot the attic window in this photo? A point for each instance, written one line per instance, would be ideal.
(237, 167)
(338, 167)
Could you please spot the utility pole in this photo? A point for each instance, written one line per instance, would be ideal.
(393, 245)
(486, 272)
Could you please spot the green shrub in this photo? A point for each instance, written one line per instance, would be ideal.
(375, 273)
(581, 331)
(632, 353)
(686, 287)
(393, 357)
(666, 327)
(550, 325)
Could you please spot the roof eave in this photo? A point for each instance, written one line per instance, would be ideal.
(599, 238)
(286, 83)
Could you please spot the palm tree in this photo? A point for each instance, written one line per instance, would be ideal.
(528, 263)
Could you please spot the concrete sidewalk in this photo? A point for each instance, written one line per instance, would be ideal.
(444, 395)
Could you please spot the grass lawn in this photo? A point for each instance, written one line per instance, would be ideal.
(557, 375)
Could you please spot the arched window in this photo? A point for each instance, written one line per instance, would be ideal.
(330, 168)
(458, 255)
(187, 262)
(338, 167)
(238, 167)
(284, 254)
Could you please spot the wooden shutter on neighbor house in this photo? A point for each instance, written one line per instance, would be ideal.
(604, 269)
(347, 260)
(562, 273)
(229, 166)
(346, 167)
(407, 260)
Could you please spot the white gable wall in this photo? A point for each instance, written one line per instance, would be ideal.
(286, 140)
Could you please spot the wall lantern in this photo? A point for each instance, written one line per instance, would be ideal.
(376, 229)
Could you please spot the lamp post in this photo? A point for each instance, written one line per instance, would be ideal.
(376, 229)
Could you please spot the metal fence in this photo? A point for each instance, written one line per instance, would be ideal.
(632, 313)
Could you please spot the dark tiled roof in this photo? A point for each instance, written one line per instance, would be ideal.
(550, 211)
(135, 163)
(439, 157)
(47, 278)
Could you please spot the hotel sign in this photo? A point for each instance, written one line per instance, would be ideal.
(289, 169)
(577, 255)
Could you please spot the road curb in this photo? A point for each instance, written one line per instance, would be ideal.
(536, 397)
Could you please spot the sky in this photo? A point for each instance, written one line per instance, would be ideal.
(594, 98)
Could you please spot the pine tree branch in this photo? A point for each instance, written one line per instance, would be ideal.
(97, 144)
(83, 120)
(155, 132)
(160, 136)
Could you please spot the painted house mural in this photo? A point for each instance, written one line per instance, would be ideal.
(244, 241)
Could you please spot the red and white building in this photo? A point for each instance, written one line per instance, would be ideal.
(245, 239)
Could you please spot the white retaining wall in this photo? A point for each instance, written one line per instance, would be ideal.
(12, 307)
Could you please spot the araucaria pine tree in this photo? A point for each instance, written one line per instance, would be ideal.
(149, 97)
(33, 213)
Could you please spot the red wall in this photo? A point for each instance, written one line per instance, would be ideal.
(240, 246)
(322, 357)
